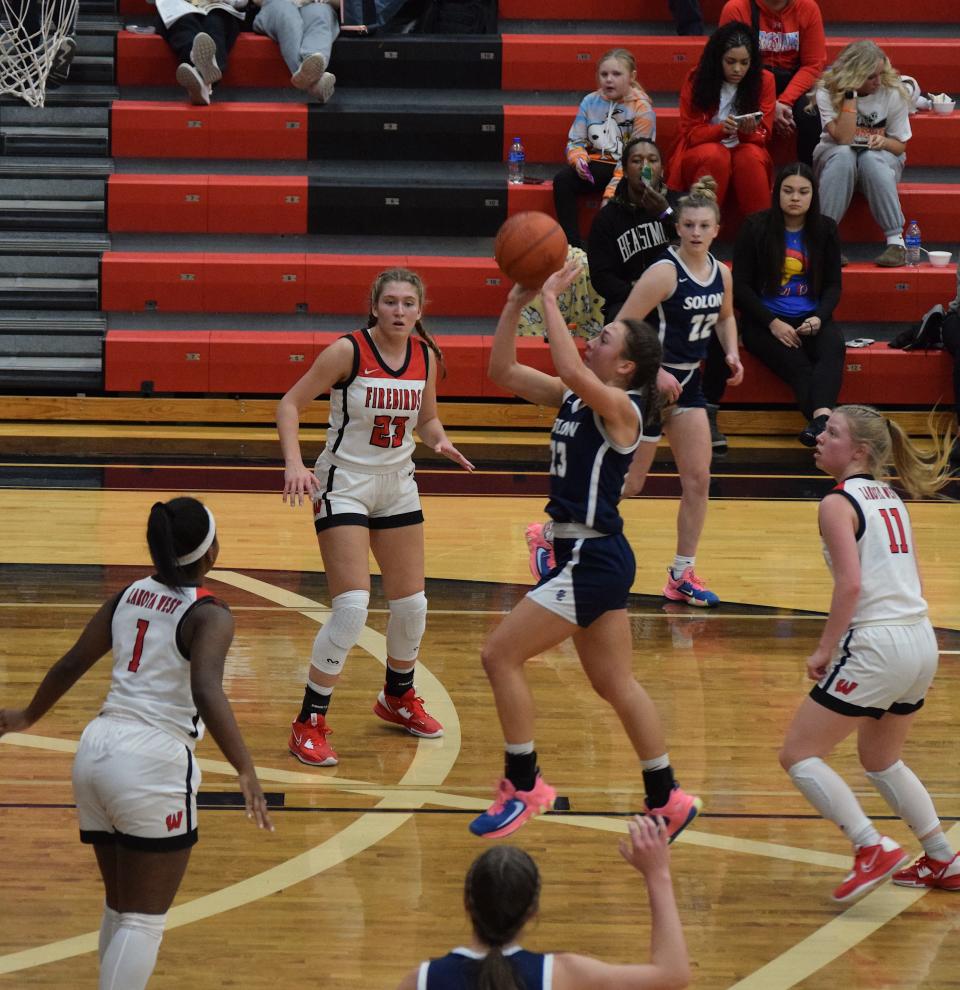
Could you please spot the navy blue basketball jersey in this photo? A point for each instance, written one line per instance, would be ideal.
(457, 969)
(686, 319)
(586, 467)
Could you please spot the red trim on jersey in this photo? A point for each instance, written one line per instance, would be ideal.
(372, 365)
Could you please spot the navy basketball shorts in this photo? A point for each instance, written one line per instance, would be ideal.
(135, 785)
(691, 397)
(355, 498)
(880, 669)
(591, 576)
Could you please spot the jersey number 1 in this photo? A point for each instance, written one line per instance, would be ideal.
(383, 436)
(898, 540)
(142, 626)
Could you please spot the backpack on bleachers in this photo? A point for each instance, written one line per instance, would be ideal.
(459, 17)
(925, 336)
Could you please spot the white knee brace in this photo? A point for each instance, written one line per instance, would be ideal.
(340, 632)
(405, 627)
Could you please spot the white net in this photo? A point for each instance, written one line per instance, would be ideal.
(36, 46)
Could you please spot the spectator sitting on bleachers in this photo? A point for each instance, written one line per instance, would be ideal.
(617, 111)
(786, 284)
(794, 48)
(201, 34)
(634, 229)
(580, 305)
(864, 107)
(719, 134)
(627, 236)
(305, 30)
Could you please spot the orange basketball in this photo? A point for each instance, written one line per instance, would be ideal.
(529, 248)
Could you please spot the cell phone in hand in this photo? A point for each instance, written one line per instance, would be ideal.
(756, 115)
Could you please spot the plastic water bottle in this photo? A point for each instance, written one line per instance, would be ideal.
(911, 238)
(515, 162)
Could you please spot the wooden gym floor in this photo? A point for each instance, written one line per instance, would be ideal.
(362, 878)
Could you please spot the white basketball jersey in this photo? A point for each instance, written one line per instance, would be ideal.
(889, 579)
(151, 674)
(373, 413)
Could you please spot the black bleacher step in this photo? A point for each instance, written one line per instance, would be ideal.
(71, 95)
(37, 348)
(46, 242)
(435, 61)
(22, 292)
(93, 70)
(408, 133)
(51, 374)
(387, 205)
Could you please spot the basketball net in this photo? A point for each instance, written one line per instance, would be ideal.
(27, 56)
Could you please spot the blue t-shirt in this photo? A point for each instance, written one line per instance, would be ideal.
(794, 297)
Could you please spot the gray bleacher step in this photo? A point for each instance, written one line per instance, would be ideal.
(55, 166)
(69, 266)
(46, 347)
(56, 243)
(844, 29)
(399, 245)
(31, 292)
(55, 130)
(52, 322)
(79, 96)
(52, 203)
(51, 374)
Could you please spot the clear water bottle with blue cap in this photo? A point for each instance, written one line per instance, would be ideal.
(911, 238)
(515, 161)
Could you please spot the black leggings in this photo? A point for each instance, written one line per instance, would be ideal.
(567, 186)
(814, 370)
(224, 28)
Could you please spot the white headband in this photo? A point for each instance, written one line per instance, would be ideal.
(205, 544)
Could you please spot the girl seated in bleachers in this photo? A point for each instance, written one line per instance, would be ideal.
(607, 118)
(726, 118)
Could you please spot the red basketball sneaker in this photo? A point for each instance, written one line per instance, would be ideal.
(678, 812)
(871, 866)
(927, 872)
(408, 711)
(308, 742)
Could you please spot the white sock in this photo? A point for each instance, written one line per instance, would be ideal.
(132, 953)
(680, 564)
(902, 790)
(896, 239)
(657, 763)
(937, 846)
(827, 791)
(108, 928)
(519, 749)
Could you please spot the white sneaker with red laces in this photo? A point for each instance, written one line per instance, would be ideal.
(308, 742)
(408, 712)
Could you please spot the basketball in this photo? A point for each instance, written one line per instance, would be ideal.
(529, 248)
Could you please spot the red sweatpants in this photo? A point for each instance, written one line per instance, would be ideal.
(747, 167)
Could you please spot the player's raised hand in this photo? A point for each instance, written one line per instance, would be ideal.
(646, 848)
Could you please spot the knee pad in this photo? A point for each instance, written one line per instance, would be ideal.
(405, 627)
(900, 787)
(340, 632)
